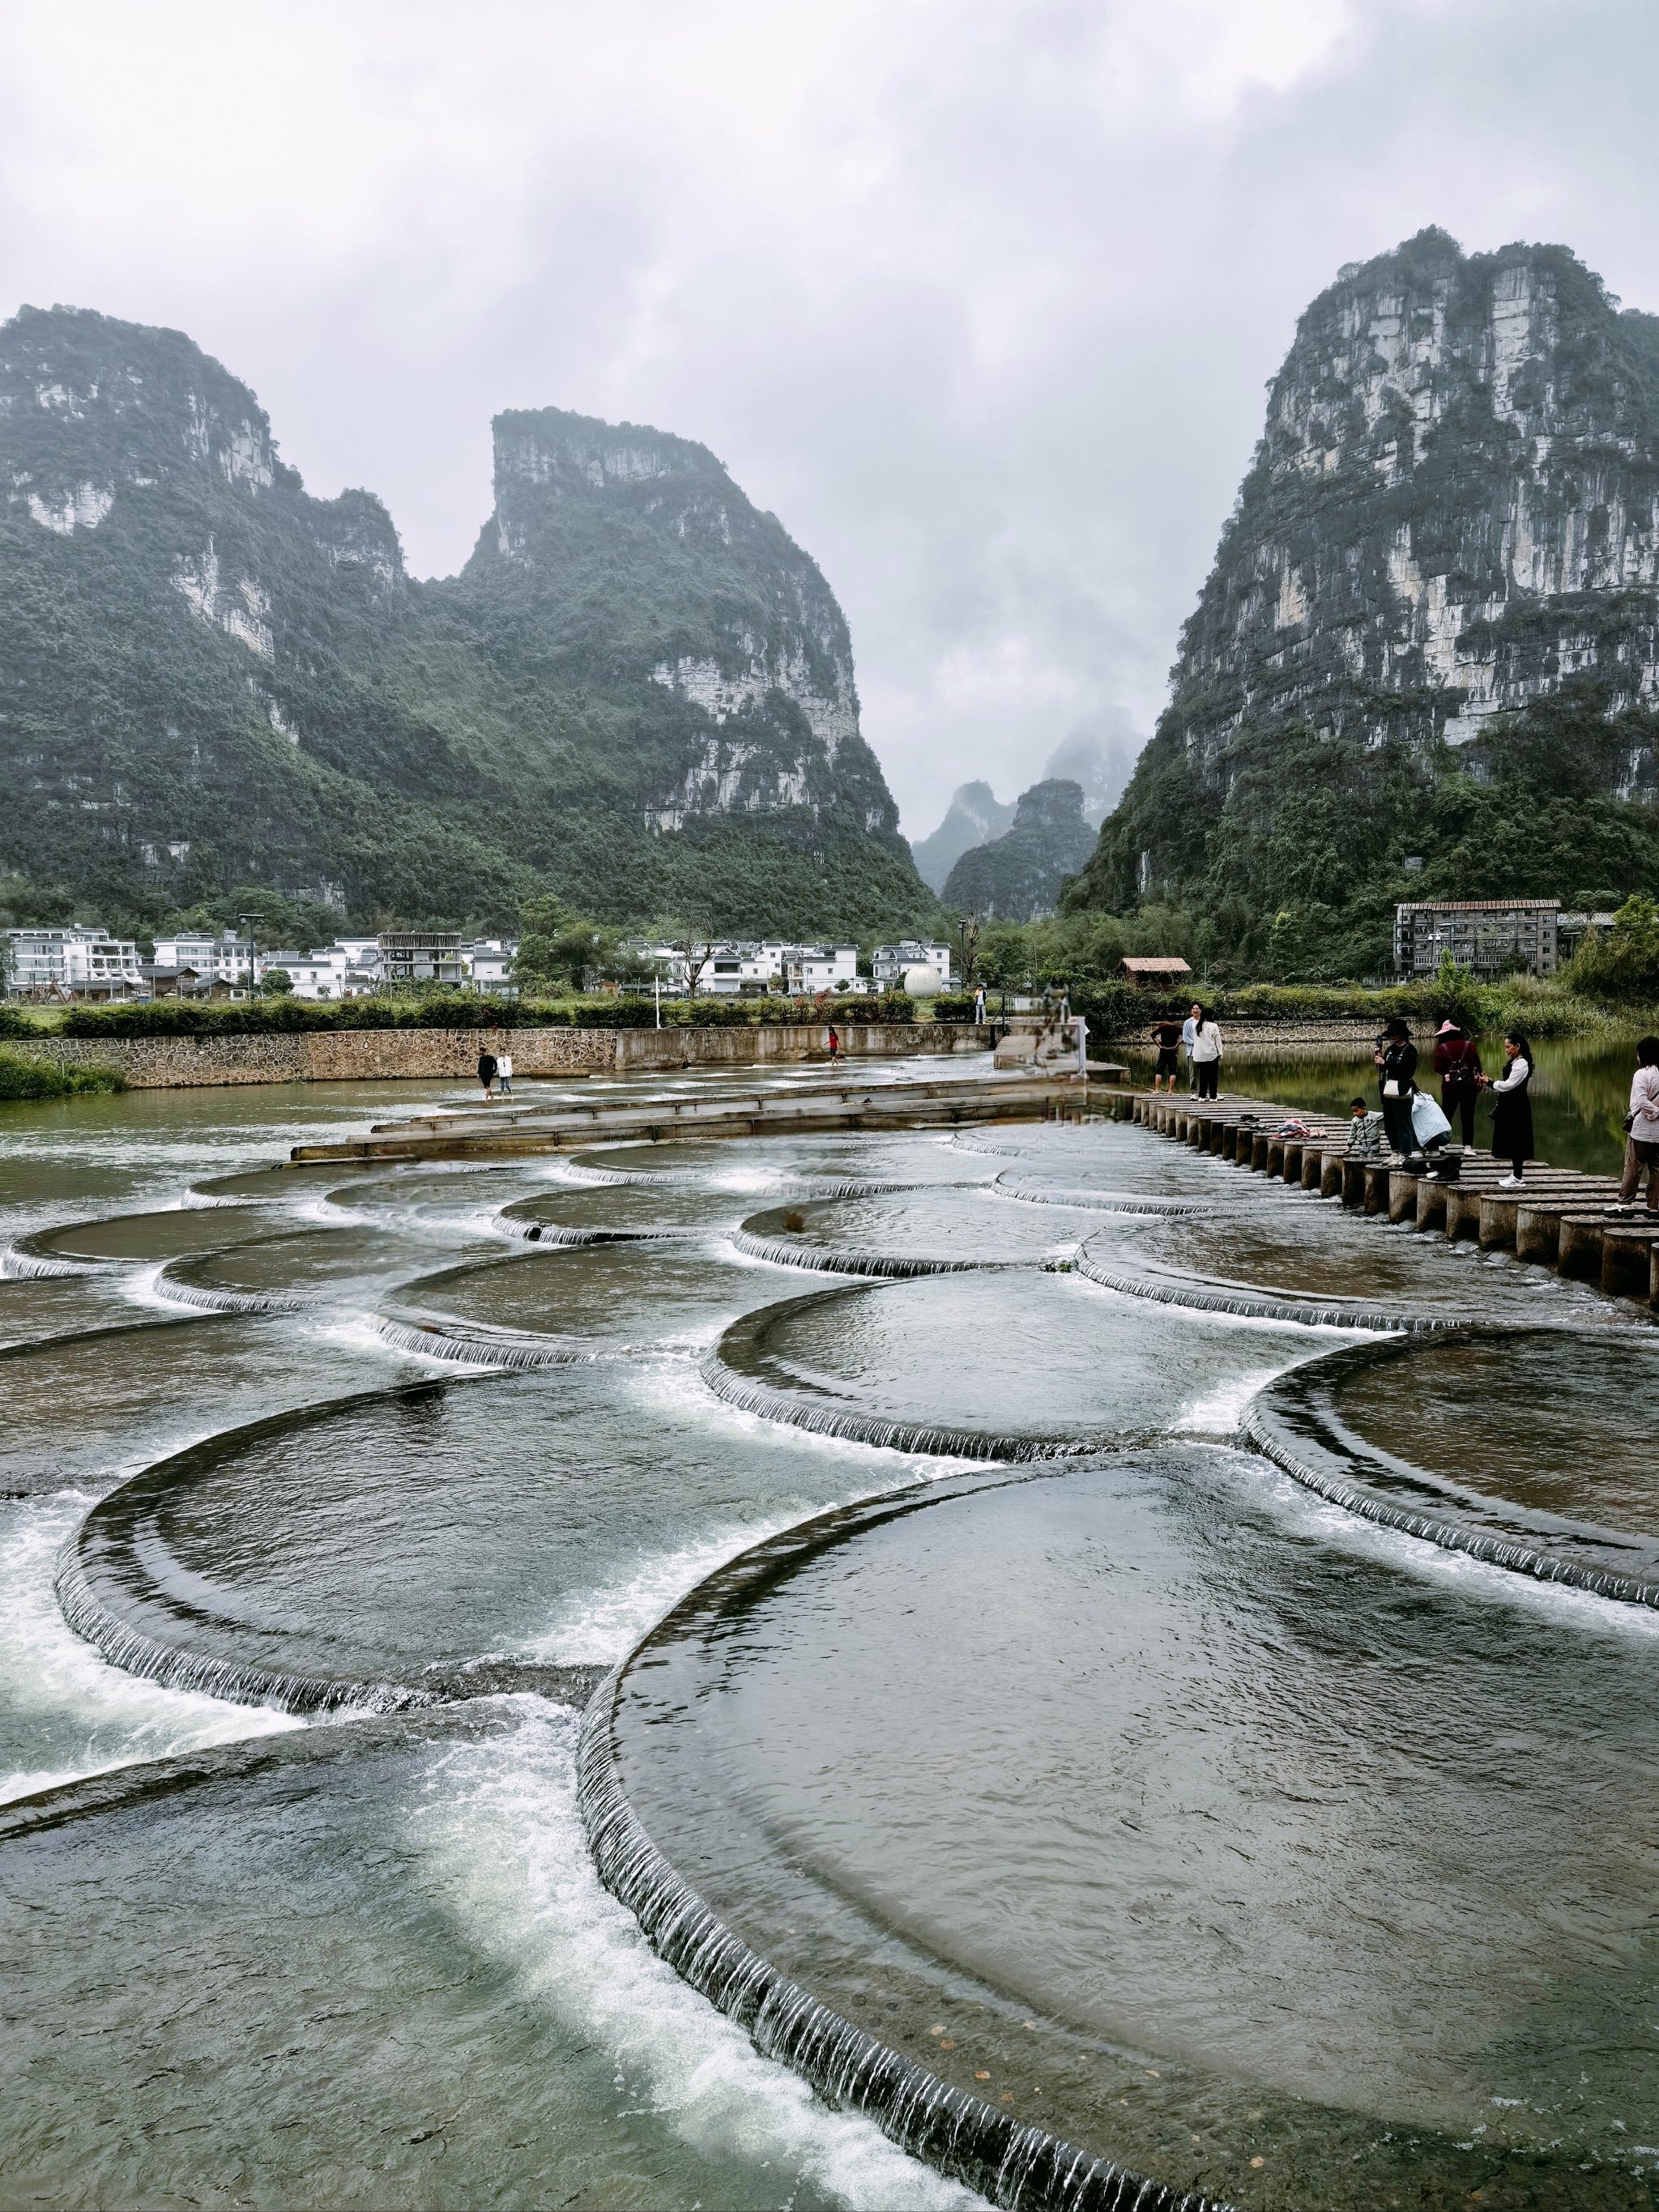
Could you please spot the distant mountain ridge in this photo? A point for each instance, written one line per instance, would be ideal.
(639, 692)
(1431, 629)
(1018, 877)
(975, 815)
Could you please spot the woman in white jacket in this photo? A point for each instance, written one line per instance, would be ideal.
(1642, 1123)
(1205, 1050)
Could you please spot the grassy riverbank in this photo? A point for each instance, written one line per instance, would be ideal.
(23, 1077)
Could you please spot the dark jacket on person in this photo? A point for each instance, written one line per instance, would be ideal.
(1511, 1114)
(1398, 1066)
(486, 1067)
(1457, 1063)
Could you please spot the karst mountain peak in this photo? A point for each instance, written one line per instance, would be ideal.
(639, 692)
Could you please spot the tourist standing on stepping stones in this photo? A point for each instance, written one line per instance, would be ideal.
(1205, 1052)
(1166, 1035)
(1396, 1062)
(504, 1075)
(1188, 1031)
(1457, 1063)
(1642, 1126)
(1511, 1111)
(486, 1069)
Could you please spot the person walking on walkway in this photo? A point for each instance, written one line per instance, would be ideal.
(1396, 1062)
(1457, 1063)
(1511, 1110)
(1205, 1053)
(504, 1075)
(835, 1043)
(1642, 1126)
(1166, 1035)
(487, 1069)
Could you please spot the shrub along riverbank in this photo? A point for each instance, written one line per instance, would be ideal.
(22, 1076)
(460, 1010)
(1541, 1009)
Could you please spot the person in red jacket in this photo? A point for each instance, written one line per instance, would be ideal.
(1457, 1063)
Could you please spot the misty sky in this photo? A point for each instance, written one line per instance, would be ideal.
(979, 298)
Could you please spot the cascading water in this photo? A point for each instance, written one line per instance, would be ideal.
(439, 1443)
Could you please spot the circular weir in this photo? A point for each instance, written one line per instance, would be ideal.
(81, 1408)
(296, 1268)
(562, 1212)
(368, 1965)
(1302, 1259)
(438, 1539)
(1116, 1802)
(137, 1239)
(1475, 1440)
(913, 1232)
(783, 1160)
(637, 1295)
(990, 1366)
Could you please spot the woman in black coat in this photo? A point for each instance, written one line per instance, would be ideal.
(1396, 1064)
(1511, 1110)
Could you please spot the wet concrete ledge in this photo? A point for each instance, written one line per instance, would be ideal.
(509, 1130)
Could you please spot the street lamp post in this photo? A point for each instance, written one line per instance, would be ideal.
(246, 920)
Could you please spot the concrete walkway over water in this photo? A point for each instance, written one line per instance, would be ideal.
(503, 1128)
(1558, 1218)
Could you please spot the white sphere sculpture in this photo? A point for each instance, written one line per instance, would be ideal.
(923, 981)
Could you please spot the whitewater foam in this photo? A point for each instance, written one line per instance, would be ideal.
(64, 1711)
(498, 1820)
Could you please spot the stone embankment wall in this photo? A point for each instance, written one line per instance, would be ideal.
(434, 1056)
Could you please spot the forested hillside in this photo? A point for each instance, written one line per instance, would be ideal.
(638, 694)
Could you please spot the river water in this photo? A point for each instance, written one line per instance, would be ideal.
(1099, 1766)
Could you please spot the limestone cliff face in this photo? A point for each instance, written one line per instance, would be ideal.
(1452, 519)
(101, 419)
(638, 694)
(632, 554)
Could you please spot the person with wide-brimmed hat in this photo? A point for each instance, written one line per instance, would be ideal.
(1457, 1063)
(1396, 1066)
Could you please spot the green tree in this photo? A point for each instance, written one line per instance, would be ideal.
(1623, 962)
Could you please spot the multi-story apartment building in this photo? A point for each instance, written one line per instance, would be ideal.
(422, 956)
(212, 959)
(71, 963)
(1489, 936)
(810, 968)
